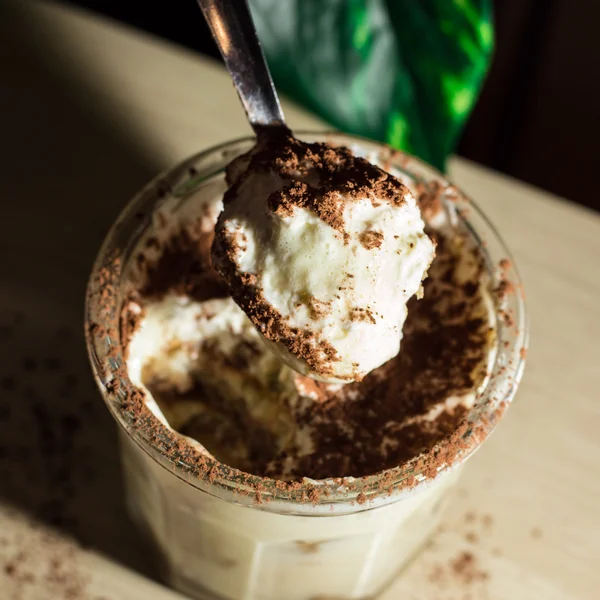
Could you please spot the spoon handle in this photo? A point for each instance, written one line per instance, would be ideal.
(232, 27)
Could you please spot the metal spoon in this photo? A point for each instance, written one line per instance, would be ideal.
(232, 27)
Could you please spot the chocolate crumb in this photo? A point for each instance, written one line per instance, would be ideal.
(371, 239)
(185, 268)
(339, 178)
(318, 309)
(466, 570)
(472, 537)
(362, 314)
(308, 547)
(505, 287)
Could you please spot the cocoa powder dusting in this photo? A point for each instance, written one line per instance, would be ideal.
(337, 177)
(317, 308)
(371, 239)
(466, 569)
(362, 314)
(184, 268)
(429, 196)
(327, 207)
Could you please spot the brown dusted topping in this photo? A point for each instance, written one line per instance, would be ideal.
(323, 178)
(184, 267)
(280, 202)
(317, 353)
(362, 314)
(506, 318)
(471, 537)
(463, 574)
(317, 308)
(371, 239)
(313, 494)
(429, 198)
(237, 242)
(504, 288)
(327, 207)
(242, 240)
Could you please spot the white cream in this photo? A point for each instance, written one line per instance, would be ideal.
(181, 342)
(349, 293)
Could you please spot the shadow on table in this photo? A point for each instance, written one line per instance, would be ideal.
(66, 172)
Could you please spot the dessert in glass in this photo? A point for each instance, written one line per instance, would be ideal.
(254, 480)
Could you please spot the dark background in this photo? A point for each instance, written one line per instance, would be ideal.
(538, 115)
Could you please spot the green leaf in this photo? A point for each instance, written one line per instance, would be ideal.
(404, 72)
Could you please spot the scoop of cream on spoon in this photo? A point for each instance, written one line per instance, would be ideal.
(319, 247)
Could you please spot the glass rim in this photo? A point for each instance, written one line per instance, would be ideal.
(268, 494)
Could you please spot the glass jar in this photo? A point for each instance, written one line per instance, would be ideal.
(217, 539)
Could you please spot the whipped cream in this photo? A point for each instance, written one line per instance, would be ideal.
(210, 359)
(322, 250)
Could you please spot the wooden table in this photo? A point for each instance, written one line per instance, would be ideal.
(89, 111)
